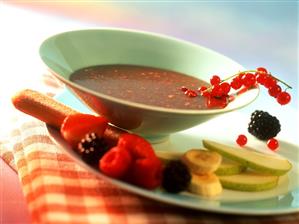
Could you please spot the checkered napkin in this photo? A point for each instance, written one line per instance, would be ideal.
(58, 191)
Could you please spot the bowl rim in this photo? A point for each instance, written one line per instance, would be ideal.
(141, 105)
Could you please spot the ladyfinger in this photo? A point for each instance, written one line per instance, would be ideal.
(51, 111)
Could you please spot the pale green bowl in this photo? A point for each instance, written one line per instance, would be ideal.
(67, 52)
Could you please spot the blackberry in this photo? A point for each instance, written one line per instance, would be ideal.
(263, 126)
(176, 177)
(92, 148)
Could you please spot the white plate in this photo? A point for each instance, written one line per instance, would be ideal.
(280, 200)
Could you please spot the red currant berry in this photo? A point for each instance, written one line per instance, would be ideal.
(272, 144)
(262, 70)
(241, 140)
(217, 91)
(270, 82)
(225, 88)
(191, 93)
(217, 102)
(184, 88)
(283, 98)
(261, 78)
(274, 91)
(215, 80)
(202, 88)
(248, 80)
(236, 83)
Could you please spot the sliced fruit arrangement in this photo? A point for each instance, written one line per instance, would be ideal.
(200, 171)
(263, 170)
(260, 162)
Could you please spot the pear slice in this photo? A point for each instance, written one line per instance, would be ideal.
(260, 162)
(229, 167)
(249, 181)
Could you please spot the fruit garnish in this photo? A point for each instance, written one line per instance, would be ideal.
(272, 144)
(176, 177)
(91, 148)
(116, 162)
(241, 140)
(207, 185)
(76, 126)
(263, 126)
(260, 162)
(201, 161)
(219, 94)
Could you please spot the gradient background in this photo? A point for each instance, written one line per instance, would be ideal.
(253, 33)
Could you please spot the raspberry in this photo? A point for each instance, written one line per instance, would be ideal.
(136, 145)
(116, 162)
(263, 126)
(176, 177)
(92, 148)
(146, 172)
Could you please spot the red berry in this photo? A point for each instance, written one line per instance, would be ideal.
(248, 80)
(272, 144)
(261, 78)
(270, 82)
(76, 126)
(136, 145)
(241, 140)
(217, 91)
(146, 172)
(283, 98)
(217, 102)
(184, 88)
(225, 88)
(202, 88)
(262, 70)
(116, 162)
(190, 93)
(274, 90)
(215, 80)
(236, 83)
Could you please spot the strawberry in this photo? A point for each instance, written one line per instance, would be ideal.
(116, 162)
(138, 146)
(76, 126)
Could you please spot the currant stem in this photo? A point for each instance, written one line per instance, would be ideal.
(287, 85)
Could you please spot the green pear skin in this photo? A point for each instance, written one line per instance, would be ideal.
(257, 161)
(249, 181)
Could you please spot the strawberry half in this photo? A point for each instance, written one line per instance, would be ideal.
(76, 126)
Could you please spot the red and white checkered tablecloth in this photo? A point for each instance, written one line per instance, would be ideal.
(58, 191)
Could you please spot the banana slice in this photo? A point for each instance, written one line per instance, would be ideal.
(202, 162)
(205, 185)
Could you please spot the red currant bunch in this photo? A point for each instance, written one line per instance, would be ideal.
(217, 93)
